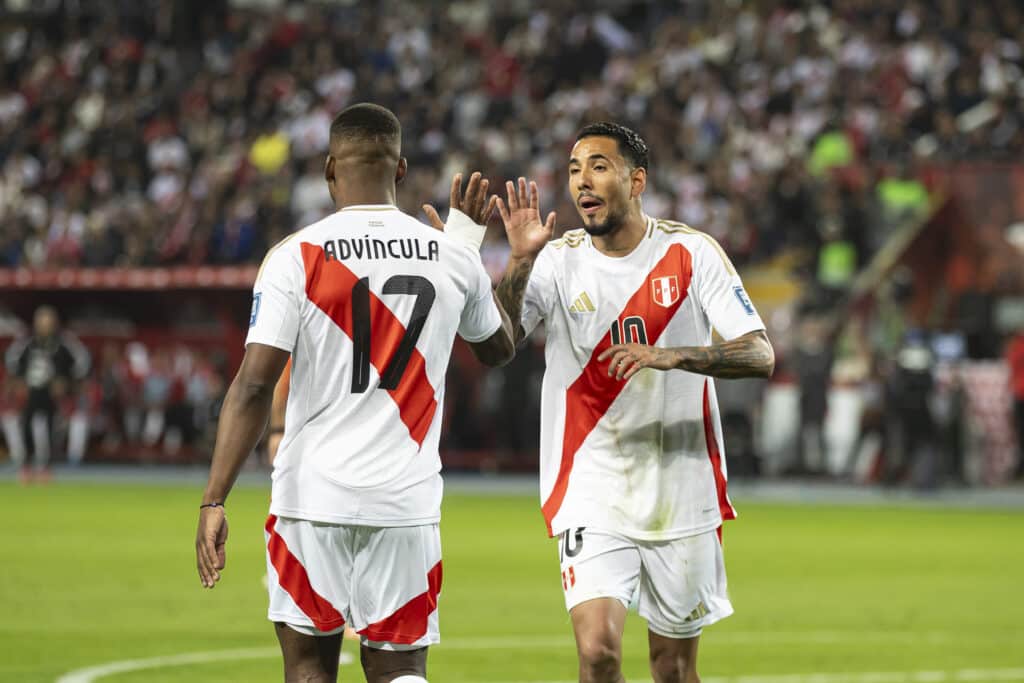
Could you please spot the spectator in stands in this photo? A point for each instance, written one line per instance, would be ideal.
(123, 141)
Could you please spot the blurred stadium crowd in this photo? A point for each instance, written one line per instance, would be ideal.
(161, 132)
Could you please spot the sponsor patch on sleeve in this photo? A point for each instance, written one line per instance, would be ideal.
(255, 308)
(744, 300)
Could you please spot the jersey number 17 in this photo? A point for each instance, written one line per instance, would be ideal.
(390, 375)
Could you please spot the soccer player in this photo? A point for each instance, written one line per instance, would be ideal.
(632, 466)
(367, 303)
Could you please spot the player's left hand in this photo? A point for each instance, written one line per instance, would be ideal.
(211, 538)
(476, 203)
(629, 359)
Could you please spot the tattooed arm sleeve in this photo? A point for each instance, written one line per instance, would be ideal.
(750, 355)
(511, 291)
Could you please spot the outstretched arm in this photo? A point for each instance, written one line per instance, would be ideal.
(750, 355)
(526, 237)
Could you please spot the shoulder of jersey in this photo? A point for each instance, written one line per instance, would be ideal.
(666, 229)
(570, 239)
(275, 248)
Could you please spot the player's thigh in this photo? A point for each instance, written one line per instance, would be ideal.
(397, 576)
(308, 658)
(683, 586)
(597, 564)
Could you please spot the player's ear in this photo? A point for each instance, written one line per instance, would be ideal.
(329, 174)
(403, 168)
(637, 182)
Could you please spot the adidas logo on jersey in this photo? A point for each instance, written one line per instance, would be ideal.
(582, 304)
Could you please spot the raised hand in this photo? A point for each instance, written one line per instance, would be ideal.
(526, 234)
(476, 203)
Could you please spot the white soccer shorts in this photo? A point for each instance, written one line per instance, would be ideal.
(680, 583)
(384, 582)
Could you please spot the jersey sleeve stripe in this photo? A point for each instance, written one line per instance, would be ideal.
(414, 394)
(589, 397)
(670, 227)
(292, 576)
(410, 621)
(715, 455)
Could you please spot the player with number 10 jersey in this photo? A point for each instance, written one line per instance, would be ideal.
(643, 458)
(632, 471)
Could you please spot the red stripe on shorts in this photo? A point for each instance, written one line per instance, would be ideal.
(329, 287)
(292, 577)
(409, 622)
(589, 397)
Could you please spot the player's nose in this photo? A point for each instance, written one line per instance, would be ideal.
(583, 181)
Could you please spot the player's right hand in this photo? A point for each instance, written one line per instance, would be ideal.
(211, 537)
(526, 234)
(476, 203)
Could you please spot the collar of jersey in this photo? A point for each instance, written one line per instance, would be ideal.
(370, 207)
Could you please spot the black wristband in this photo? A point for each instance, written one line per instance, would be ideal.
(275, 430)
(211, 505)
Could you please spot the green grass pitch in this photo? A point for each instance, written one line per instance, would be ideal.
(99, 573)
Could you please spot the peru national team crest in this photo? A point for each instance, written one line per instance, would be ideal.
(665, 290)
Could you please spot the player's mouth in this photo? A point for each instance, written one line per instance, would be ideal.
(589, 205)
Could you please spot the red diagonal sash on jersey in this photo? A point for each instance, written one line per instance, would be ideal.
(590, 396)
(328, 286)
(715, 455)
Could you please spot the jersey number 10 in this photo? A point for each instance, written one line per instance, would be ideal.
(412, 285)
(631, 331)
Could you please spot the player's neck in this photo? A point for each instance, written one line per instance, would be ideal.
(625, 238)
(362, 196)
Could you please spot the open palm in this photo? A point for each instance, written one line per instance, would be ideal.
(521, 216)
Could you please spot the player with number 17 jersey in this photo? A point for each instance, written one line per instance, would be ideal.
(378, 297)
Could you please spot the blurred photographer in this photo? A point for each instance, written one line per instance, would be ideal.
(48, 363)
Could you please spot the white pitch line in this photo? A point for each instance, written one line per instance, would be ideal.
(94, 673)
(109, 669)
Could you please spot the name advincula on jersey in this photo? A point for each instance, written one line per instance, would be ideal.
(343, 249)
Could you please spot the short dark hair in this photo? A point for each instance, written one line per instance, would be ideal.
(366, 122)
(631, 146)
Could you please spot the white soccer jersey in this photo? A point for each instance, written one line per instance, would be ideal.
(643, 458)
(368, 301)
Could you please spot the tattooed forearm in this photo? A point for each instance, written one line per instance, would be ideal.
(510, 293)
(748, 356)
